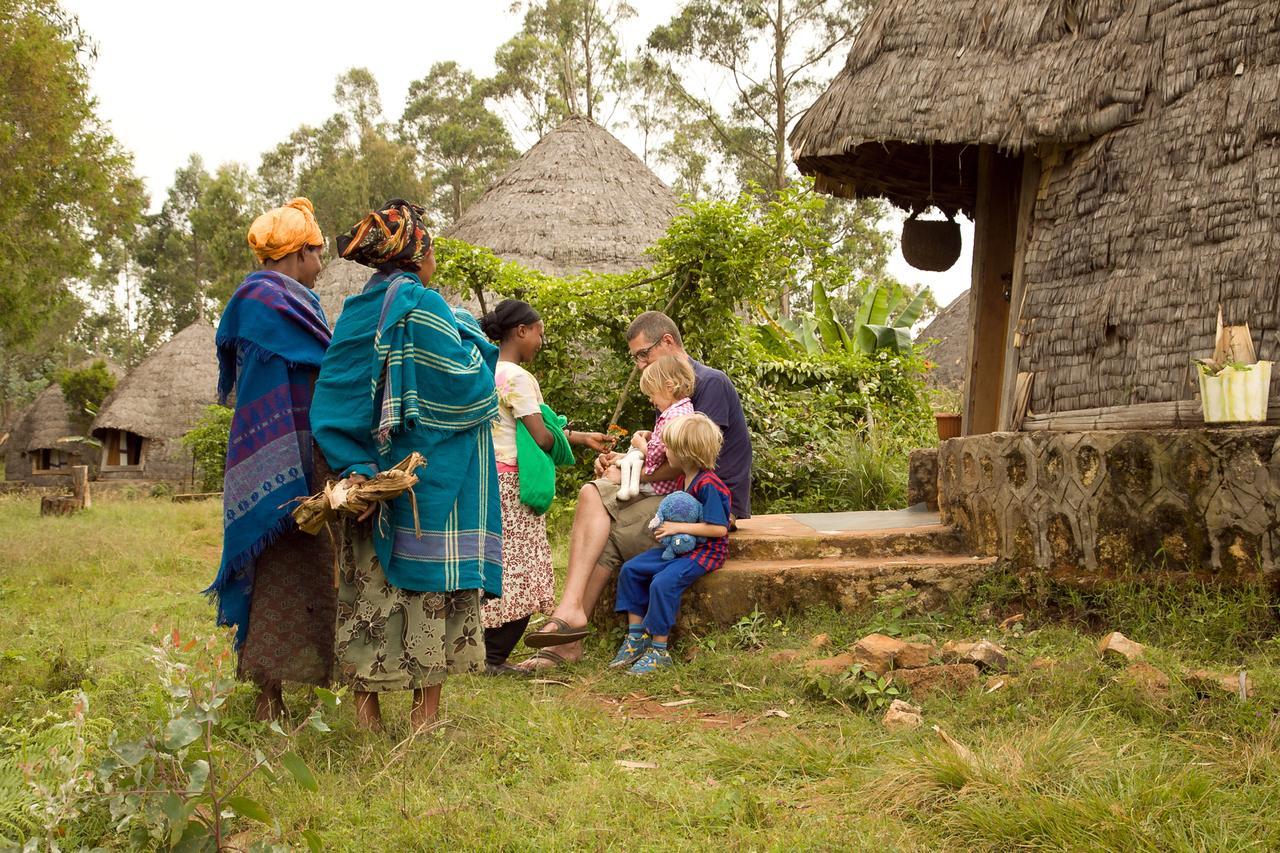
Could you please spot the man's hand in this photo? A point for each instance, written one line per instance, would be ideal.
(614, 475)
(604, 461)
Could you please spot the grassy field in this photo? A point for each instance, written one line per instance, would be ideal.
(1068, 756)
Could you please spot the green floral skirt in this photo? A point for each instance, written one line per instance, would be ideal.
(392, 639)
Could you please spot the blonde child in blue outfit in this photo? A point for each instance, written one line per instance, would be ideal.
(649, 587)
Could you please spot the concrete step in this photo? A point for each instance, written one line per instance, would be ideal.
(754, 543)
(781, 587)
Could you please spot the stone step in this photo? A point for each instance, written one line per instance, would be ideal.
(781, 587)
(754, 544)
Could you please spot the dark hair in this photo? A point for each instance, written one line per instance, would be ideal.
(653, 325)
(509, 314)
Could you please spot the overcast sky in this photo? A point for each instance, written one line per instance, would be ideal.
(229, 79)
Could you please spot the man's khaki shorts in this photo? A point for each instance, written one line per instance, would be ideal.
(630, 534)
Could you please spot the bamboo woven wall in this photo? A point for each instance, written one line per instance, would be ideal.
(1158, 122)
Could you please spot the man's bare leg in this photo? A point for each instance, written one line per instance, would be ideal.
(572, 652)
(590, 534)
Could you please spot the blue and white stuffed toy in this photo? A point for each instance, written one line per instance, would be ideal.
(684, 508)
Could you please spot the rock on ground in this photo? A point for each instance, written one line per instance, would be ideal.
(984, 654)
(1117, 645)
(1208, 683)
(1147, 680)
(880, 654)
(831, 666)
(902, 715)
(940, 679)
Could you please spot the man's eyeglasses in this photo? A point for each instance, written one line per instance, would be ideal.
(642, 354)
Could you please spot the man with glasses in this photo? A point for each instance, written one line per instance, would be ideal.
(607, 531)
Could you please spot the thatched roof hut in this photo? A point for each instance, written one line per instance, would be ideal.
(946, 341)
(577, 200)
(141, 423)
(46, 438)
(1120, 159)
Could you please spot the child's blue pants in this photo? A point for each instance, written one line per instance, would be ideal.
(651, 587)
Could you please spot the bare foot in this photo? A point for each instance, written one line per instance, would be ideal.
(426, 707)
(270, 704)
(368, 711)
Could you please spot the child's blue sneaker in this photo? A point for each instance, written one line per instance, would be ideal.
(631, 649)
(652, 660)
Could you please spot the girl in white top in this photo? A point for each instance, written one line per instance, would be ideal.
(528, 581)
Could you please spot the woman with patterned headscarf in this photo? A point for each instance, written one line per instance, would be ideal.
(407, 373)
(275, 583)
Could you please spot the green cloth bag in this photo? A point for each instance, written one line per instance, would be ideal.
(537, 466)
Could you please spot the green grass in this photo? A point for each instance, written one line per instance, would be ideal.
(1069, 757)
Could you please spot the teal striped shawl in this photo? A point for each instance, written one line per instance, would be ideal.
(406, 372)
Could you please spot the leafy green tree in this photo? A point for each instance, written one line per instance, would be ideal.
(463, 142)
(769, 50)
(66, 185)
(193, 252)
(86, 388)
(566, 60)
(347, 166)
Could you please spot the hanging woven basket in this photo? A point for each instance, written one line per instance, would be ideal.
(931, 244)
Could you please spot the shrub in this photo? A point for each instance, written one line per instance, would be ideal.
(208, 444)
(84, 390)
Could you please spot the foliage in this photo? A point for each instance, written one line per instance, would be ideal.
(66, 186)
(855, 687)
(207, 441)
(85, 389)
(193, 252)
(463, 142)
(770, 52)
(178, 786)
(882, 320)
(565, 60)
(347, 166)
(749, 630)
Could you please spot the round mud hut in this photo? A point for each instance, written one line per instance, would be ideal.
(1121, 166)
(141, 423)
(577, 200)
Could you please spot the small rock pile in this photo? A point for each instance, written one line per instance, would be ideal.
(1155, 683)
(923, 668)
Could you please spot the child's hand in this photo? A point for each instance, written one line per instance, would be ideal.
(614, 475)
(667, 528)
(640, 441)
(604, 460)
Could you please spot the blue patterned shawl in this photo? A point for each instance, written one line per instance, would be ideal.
(406, 373)
(270, 341)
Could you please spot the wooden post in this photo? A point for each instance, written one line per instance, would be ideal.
(1012, 405)
(59, 504)
(80, 484)
(995, 225)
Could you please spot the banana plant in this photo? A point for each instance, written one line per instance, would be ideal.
(883, 320)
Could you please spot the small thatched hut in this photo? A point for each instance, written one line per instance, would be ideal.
(1121, 162)
(48, 442)
(946, 341)
(141, 423)
(577, 200)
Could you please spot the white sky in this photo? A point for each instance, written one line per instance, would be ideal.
(228, 79)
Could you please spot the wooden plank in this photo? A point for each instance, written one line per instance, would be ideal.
(1021, 399)
(1011, 407)
(995, 226)
(1175, 415)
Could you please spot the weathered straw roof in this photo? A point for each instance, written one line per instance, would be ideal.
(577, 200)
(338, 280)
(166, 394)
(1156, 125)
(946, 340)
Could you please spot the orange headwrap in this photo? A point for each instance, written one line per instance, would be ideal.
(284, 230)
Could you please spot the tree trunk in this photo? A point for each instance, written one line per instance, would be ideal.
(59, 505)
(80, 484)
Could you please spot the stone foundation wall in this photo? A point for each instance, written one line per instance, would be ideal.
(1108, 501)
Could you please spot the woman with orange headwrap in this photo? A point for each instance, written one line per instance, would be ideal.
(275, 583)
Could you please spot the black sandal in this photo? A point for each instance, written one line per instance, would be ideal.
(564, 633)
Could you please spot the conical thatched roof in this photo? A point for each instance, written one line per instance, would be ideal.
(166, 394)
(338, 280)
(577, 200)
(1154, 127)
(48, 424)
(949, 333)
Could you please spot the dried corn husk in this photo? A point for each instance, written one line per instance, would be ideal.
(313, 513)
